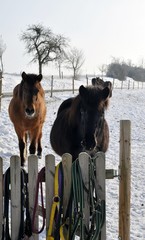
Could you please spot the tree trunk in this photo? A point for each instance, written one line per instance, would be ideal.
(2, 68)
(74, 76)
(59, 67)
(40, 68)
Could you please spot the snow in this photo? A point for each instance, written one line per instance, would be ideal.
(125, 104)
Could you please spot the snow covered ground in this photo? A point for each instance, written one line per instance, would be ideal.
(125, 104)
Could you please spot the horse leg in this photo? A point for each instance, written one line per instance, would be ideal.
(32, 148)
(22, 150)
(39, 147)
(36, 140)
(22, 144)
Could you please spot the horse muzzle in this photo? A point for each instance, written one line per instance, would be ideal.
(30, 112)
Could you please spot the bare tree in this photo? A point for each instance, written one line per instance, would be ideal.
(102, 68)
(59, 62)
(74, 61)
(43, 44)
(2, 50)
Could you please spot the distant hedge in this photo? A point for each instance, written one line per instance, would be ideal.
(122, 70)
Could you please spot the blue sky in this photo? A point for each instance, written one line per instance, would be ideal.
(102, 29)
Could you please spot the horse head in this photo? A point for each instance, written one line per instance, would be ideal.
(100, 83)
(30, 88)
(93, 105)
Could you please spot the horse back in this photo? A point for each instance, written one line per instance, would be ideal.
(65, 105)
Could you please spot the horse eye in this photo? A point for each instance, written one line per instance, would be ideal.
(35, 92)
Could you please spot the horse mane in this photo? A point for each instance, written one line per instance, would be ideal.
(103, 104)
(74, 109)
(16, 91)
(76, 104)
(32, 80)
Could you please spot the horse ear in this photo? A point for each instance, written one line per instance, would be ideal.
(82, 91)
(39, 77)
(105, 93)
(93, 81)
(24, 75)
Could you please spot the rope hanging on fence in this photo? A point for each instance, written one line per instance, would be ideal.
(6, 234)
(25, 225)
(60, 226)
(74, 219)
(57, 207)
(40, 179)
(97, 206)
(78, 200)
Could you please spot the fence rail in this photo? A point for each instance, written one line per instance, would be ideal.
(52, 89)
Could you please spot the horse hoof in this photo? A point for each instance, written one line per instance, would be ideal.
(22, 164)
(39, 156)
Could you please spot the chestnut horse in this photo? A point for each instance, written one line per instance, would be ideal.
(80, 124)
(27, 111)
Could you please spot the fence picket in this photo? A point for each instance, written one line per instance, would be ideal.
(49, 178)
(15, 196)
(1, 196)
(84, 165)
(67, 164)
(100, 184)
(32, 180)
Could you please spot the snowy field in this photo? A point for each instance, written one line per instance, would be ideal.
(125, 104)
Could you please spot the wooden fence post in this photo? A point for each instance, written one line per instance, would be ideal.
(122, 84)
(32, 180)
(125, 180)
(1, 196)
(129, 84)
(49, 178)
(113, 83)
(84, 165)
(73, 84)
(87, 80)
(51, 86)
(0, 89)
(15, 179)
(100, 185)
(67, 165)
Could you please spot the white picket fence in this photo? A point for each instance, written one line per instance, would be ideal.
(15, 173)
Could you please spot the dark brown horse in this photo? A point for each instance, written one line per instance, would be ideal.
(100, 83)
(27, 111)
(80, 124)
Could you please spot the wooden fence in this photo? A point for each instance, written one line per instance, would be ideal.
(0, 88)
(49, 181)
(116, 84)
